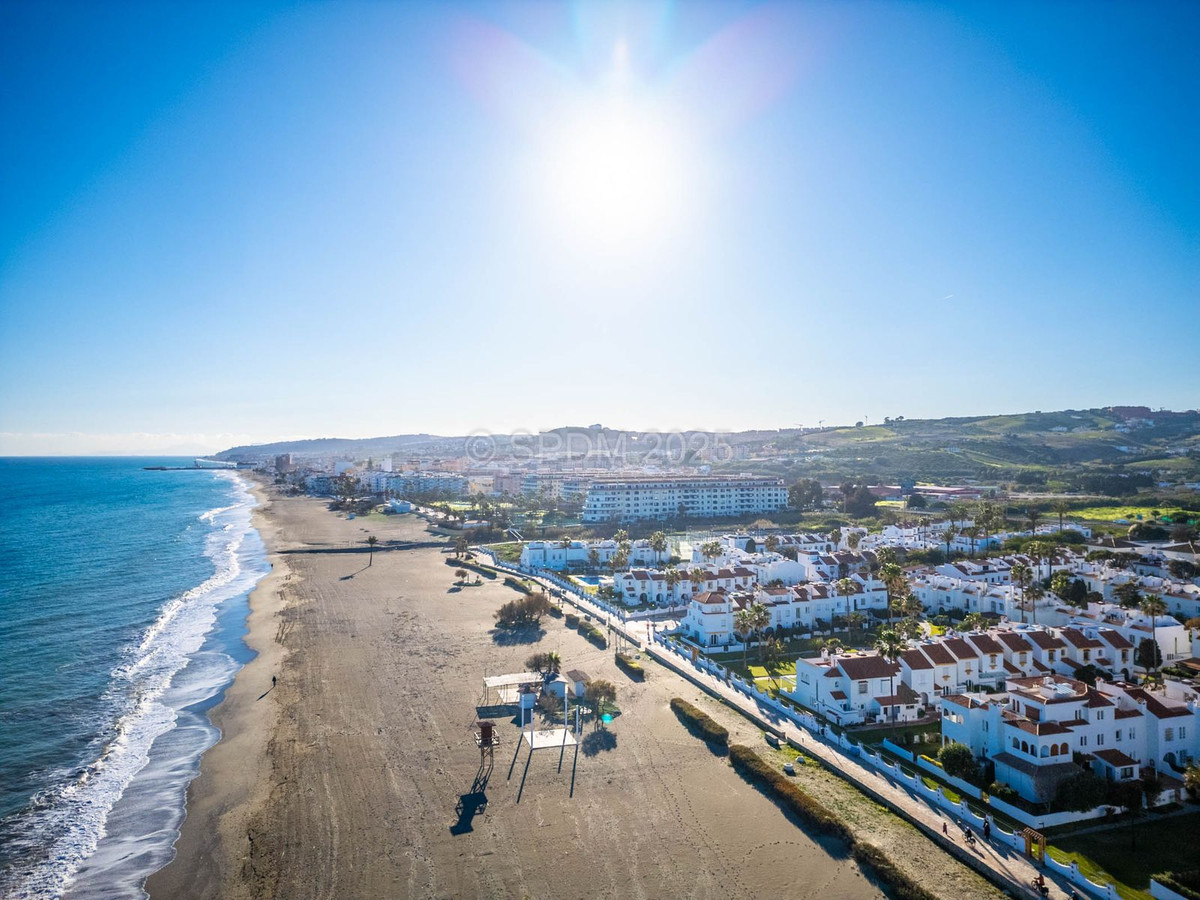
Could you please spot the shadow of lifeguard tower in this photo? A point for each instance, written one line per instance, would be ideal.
(475, 801)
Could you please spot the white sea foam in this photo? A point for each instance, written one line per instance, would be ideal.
(71, 821)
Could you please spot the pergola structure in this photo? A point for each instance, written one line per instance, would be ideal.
(508, 687)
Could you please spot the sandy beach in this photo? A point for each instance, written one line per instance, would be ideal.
(344, 781)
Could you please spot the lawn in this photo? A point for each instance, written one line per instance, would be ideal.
(1132, 513)
(1161, 845)
(509, 553)
(898, 734)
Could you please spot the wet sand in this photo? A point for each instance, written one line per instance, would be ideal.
(346, 780)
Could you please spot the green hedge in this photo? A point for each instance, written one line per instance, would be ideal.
(593, 634)
(792, 797)
(472, 566)
(572, 620)
(630, 667)
(556, 612)
(700, 723)
(1185, 883)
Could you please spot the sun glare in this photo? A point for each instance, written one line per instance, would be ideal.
(615, 173)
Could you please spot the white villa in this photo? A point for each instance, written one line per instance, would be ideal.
(1035, 731)
(854, 688)
(560, 555)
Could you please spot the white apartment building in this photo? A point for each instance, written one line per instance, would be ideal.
(708, 497)
(412, 484)
(1035, 732)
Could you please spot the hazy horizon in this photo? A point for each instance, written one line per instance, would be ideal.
(153, 445)
(240, 223)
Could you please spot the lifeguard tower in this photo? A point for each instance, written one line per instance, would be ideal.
(486, 739)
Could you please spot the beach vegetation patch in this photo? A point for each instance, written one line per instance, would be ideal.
(630, 667)
(593, 634)
(528, 610)
(700, 723)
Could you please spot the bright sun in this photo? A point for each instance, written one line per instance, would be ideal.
(615, 173)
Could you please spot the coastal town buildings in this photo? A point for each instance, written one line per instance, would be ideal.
(1043, 728)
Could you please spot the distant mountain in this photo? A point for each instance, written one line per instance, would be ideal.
(1159, 443)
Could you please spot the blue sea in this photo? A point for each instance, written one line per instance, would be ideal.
(123, 601)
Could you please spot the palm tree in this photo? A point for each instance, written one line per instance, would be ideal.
(1153, 606)
(698, 577)
(1062, 507)
(710, 549)
(911, 606)
(371, 542)
(1033, 517)
(672, 576)
(854, 539)
(658, 543)
(890, 646)
(894, 583)
(948, 537)
(772, 543)
(744, 628)
(1040, 550)
(760, 618)
(835, 536)
(973, 533)
(1020, 576)
(847, 587)
(1034, 592)
(594, 559)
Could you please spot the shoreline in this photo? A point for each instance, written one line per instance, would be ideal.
(349, 779)
(234, 772)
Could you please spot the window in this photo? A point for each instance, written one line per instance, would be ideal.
(1127, 772)
(1182, 732)
(1169, 734)
(1099, 714)
(862, 687)
(1100, 740)
(1083, 740)
(1118, 735)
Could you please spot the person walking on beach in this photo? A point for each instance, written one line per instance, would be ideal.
(273, 679)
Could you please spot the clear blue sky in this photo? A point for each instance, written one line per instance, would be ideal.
(230, 222)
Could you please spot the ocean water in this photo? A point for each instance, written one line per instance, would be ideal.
(123, 599)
